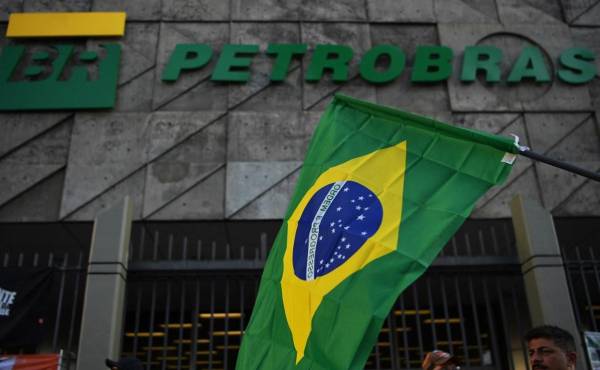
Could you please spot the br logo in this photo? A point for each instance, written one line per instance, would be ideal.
(59, 76)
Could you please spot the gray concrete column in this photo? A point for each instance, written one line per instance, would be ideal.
(543, 270)
(103, 306)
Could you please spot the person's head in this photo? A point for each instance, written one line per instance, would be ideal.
(124, 364)
(439, 360)
(551, 348)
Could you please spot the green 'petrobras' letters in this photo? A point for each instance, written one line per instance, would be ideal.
(58, 78)
(383, 63)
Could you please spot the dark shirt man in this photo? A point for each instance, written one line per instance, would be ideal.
(551, 348)
(124, 364)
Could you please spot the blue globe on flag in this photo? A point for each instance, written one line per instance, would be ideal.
(337, 221)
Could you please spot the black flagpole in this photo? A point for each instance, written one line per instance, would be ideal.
(553, 162)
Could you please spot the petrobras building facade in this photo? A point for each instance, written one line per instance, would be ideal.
(200, 112)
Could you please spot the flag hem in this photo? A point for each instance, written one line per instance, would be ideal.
(498, 142)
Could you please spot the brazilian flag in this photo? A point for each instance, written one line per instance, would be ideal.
(380, 193)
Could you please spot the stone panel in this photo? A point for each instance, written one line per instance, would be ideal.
(529, 11)
(136, 95)
(356, 88)
(406, 37)
(41, 203)
(205, 96)
(264, 10)
(108, 149)
(557, 185)
(423, 99)
(580, 147)
(466, 11)
(105, 148)
(184, 166)
(18, 128)
(131, 186)
(168, 129)
(57, 5)
(263, 34)
(595, 92)
(9, 6)
(584, 202)
(279, 96)
(588, 38)
(591, 17)
(246, 181)
(273, 204)
(479, 95)
(196, 10)
(171, 34)
(138, 53)
(139, 50)
(500, 123)
(402, 93)
(546, 130)
(356, 36)
(138, 60)
(416, 11)
(204, 201)
(137, 10)
(276, 136)
(576, 9)
(31, 163)
(339, 11)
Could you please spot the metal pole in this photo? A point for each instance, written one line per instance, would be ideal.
(556, 163)
(61, 296)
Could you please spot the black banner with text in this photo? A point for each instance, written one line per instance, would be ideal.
(24, 308)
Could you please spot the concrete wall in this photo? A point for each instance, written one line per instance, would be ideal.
(200, 150)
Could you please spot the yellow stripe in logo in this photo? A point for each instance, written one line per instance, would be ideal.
(66, 24)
